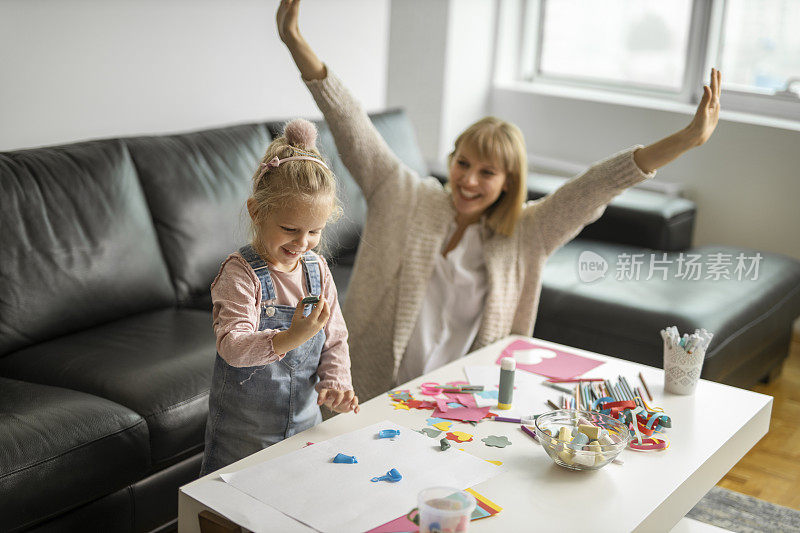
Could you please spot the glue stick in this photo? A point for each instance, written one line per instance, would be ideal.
(507, 367)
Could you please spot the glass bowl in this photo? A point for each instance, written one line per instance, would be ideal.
(581, 457)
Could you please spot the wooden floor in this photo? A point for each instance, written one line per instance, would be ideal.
(771, 470)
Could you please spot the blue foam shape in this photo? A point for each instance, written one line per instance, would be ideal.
(432, 421)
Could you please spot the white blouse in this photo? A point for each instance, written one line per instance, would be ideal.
(452, 310)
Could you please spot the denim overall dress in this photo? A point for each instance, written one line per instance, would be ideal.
(251, 408)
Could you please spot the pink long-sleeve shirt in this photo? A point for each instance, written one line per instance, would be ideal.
(236, 295)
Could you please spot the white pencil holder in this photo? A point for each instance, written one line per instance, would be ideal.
(681, 369)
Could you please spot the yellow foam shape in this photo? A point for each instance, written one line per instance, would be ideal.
(443, 426)
(484, 499)
(566, 455)
(461, 436)
(593, 432)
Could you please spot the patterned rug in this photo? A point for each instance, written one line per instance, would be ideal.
(744, 514)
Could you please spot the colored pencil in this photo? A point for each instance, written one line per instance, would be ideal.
(576, 380)
(646, 389)
(559, 388)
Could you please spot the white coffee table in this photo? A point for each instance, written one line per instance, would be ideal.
(712, 430)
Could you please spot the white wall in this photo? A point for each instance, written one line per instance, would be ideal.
(440, 65)
(78, 69)
(415, 79)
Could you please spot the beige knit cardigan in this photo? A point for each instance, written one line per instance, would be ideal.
(407, 219)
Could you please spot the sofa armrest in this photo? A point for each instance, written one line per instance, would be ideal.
(636, 217)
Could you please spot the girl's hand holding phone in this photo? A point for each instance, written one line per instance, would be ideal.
(339, 400)
(305, 327)
(302, 327)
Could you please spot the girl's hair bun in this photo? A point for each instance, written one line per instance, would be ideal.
(301, 133)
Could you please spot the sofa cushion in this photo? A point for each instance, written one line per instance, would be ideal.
(622, 318)
(61, 448)
(196, 185)
(157, 364)
(78, 242)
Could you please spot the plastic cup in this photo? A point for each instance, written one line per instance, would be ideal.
(444, 510)
(682, 370)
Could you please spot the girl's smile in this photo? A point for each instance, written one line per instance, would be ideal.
(290, 231)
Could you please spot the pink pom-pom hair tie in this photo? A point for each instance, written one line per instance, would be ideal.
(300, 132)
(303, 134)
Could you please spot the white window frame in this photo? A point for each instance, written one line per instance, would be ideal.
(704, 40)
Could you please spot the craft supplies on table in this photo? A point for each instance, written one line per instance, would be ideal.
(523, 420)
(356, 504)
(410, 522)
(683, 359)
(567, 437)
(445, 509)
(393, 476)
(507, 368)
(528, 395)
(617, 398)
(547, 361)
(624, 402)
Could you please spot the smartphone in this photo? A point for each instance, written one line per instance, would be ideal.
(310, 300)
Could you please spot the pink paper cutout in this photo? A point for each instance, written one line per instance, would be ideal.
(398, 525)
(465, 399)
(563, 366)
(467, 414)
(441, 405)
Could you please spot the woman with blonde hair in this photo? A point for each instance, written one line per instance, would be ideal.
(442, 271)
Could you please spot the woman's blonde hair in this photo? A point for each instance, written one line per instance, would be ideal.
(502, 143)
(301, 180)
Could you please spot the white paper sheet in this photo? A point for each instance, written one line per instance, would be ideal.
(243, 509)
(335, 497)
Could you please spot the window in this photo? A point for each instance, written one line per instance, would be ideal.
(760, 45)
(665, 48)
(631, 41)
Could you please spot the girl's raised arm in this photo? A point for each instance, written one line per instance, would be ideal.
(361, 147)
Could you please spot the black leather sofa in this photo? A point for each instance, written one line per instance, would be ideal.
(106, 349)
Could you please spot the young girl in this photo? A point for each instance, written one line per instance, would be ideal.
(278, 359)
(444, 271)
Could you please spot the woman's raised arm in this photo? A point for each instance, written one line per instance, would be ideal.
(363, 151)
(558, 217)
(309, 65)
(696, 133)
